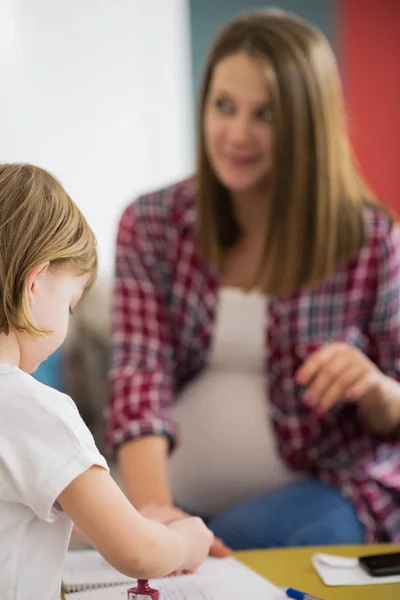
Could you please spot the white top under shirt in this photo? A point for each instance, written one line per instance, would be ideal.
(227, 451)
(44, 445)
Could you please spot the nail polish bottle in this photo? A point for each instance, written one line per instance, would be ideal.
(143, 591)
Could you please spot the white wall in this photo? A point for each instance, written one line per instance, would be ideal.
(99, 93)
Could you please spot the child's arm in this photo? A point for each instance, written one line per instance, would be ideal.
(136, 546)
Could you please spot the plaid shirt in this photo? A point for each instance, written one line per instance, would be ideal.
(164, 309)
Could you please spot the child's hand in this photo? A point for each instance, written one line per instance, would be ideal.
(197, 539)
(164, 514)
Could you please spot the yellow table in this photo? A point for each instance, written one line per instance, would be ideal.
(291, 567)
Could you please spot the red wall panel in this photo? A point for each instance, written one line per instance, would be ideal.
(369, 48)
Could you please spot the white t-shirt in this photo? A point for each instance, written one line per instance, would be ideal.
(44, 445)
(228, 449)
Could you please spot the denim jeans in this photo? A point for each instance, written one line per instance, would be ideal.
(305, 513)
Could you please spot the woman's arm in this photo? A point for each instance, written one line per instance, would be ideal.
(382, 406)
(139, 420)
(145, 460)
(134, 545)
(382, 403)
(338, 372)
(143, 370)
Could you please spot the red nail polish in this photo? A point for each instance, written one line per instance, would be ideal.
(143, 591)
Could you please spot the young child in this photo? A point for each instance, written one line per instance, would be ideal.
(51, 473)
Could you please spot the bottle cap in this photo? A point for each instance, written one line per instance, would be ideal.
(142, 591)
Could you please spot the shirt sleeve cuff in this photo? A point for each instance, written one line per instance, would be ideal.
(47, 509)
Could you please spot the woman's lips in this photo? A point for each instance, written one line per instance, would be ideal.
(242, 161)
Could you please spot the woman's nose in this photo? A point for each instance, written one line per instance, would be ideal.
(239, 129)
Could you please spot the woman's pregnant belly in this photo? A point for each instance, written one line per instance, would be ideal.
(227, 451)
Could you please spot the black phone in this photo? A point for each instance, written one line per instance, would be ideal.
(379, 565)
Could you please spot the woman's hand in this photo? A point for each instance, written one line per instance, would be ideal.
(337, 372)
(168, 514)
(341, 373)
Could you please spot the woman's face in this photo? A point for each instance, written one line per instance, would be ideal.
(237, 124)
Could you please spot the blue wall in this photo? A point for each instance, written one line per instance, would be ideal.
(50, 371)
(208, 16)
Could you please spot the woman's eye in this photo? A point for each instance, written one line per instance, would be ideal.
(224, 106)
(264, 115)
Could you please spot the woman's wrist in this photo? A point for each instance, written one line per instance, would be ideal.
(382, 406)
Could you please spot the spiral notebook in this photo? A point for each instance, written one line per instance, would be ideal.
(87, 569)
(216, 579)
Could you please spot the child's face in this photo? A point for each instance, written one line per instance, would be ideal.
(54, 294)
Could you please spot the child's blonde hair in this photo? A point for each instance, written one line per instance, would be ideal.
(38, 223)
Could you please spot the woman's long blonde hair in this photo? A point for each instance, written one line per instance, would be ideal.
(38, 223)
(317, 195)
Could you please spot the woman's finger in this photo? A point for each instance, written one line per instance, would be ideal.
(219, 549)
(327, 378)
(337, 392)
(315, 362)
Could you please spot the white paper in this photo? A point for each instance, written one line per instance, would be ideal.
(217, 579)
(341, 571)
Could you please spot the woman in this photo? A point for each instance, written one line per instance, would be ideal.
(263, 296)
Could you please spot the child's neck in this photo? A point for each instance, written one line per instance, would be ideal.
(9, 349)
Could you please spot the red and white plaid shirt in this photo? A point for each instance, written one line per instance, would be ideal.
(164, 310)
